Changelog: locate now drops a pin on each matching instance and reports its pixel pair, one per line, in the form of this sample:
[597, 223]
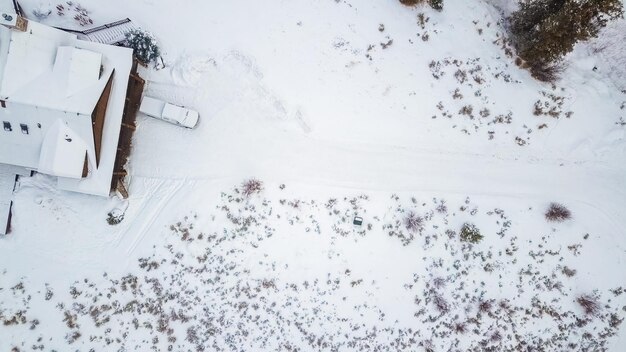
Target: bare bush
[485, 306]
[589, 304]
[441, 304]
[557, 213]
[568, 271]
[496, 336]
[251, 187]
[414, 223]
[460, 328]
[546, 71]
[439, 282]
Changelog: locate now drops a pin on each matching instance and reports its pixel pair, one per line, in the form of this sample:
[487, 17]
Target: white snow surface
[304, 94]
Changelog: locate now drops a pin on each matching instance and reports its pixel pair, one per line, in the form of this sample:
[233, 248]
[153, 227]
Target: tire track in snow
[155, 212]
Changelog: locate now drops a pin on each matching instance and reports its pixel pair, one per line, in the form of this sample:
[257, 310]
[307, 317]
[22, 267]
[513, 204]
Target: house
[61, 104]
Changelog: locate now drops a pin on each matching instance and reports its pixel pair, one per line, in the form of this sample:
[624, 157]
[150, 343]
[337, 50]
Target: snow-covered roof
[48, 68]
[99, 180]
[63, 152]
[6, 6]
[5, 40]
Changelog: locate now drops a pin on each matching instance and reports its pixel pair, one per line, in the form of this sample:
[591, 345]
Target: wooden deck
[133, 99]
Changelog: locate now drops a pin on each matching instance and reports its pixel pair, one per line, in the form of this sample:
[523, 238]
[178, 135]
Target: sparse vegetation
[450, 289]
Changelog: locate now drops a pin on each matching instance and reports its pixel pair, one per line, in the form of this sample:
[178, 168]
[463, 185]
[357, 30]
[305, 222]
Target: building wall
[22, 149]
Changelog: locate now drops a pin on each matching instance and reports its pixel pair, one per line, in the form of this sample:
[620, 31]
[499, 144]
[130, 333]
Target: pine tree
[543, 31]
[436, 4]
[144, 45]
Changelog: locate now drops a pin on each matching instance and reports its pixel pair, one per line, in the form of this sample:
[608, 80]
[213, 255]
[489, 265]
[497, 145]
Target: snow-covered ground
[340, 108]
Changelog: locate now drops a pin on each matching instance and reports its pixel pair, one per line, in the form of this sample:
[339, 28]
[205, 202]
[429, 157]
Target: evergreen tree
[545, 30]
[436, 4]
[144, 46]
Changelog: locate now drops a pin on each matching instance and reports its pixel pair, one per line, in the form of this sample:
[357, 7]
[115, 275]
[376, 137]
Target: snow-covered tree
[144, 45]
[545, 30]
[436, 4]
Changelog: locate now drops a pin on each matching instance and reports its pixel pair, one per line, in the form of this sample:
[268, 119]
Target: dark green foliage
[470, 233]
[144, 45]
[436, 4]
[543, 31]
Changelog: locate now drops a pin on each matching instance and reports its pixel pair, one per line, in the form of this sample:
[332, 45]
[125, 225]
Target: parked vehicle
[171, 113]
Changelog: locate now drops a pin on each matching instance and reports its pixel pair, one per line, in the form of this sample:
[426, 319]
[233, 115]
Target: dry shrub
[485, 306]
[545, 71]
[441, 304]
[439, 282]
[411, 2]
[557, 213]
[568, 271]
[414, 223]
[496, 336]
[460, 328]
[251, 187]
[589, 304]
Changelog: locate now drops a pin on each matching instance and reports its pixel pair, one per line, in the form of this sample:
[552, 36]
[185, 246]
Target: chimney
[13, 21]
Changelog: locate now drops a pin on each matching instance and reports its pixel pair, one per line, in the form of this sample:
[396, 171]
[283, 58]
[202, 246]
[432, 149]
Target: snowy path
[393, 169]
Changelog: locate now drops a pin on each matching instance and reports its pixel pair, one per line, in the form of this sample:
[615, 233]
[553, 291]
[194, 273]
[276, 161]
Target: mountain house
[62, 102]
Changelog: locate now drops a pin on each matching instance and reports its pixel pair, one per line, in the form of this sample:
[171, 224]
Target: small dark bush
[441, 304]
[496, 336]
[411, 2]
[251, 187]
[439, 282]
[460, 328]
[589, 304]
[414, 223]
[568, 271]
[485, 306]
[557, 213]
[436, 4]
[470, 233]
[115, 217]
